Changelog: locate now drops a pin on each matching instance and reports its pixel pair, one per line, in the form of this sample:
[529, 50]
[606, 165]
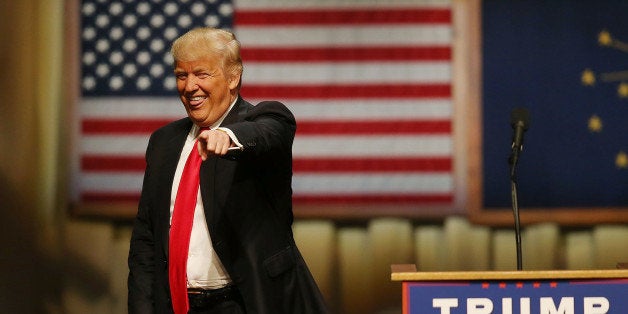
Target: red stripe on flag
[374, 127]
[300, 165]
[121, 126]
[112, 163]
[243, 17]
[323, 165]
[339, 91]
[147, 126]
[354, 54]
[373, 199]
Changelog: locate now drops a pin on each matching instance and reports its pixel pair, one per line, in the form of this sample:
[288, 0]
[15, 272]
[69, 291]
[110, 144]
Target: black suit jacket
[247, 198]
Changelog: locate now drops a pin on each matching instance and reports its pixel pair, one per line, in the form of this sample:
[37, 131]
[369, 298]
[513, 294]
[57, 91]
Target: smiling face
[205, 89]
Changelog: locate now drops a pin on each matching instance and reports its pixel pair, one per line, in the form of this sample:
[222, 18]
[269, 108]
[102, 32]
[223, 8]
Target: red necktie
[180, 229]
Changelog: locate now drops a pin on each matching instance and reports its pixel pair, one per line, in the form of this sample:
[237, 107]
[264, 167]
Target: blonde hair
[207, 41]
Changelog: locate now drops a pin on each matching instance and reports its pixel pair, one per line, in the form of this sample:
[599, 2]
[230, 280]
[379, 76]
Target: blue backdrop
[534, 56]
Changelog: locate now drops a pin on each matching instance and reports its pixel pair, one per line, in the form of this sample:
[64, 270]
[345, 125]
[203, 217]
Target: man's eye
[202, 75]
[181, 76]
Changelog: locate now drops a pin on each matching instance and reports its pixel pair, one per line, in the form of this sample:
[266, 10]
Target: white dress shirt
[204, 268]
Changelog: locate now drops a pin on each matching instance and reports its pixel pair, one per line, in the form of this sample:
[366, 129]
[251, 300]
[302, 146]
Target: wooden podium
[513, 292]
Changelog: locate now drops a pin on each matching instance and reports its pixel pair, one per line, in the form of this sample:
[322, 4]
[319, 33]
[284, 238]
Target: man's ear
[234, 81]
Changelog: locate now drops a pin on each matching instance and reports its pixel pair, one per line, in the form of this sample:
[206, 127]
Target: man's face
[204, 89]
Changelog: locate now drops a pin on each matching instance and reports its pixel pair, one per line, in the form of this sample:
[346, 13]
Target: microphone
[520, 121]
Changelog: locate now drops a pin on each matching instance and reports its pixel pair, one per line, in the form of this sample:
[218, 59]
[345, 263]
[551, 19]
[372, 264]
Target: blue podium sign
[582, 292]
[509, 297]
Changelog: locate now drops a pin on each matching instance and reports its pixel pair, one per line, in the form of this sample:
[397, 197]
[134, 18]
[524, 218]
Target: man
[226, 247]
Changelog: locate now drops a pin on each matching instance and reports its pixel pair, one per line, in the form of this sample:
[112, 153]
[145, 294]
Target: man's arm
[141, 259]
[267, 127]
[141, 268]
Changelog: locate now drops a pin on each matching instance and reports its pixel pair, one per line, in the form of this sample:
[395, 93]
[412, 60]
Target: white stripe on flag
[303, 184]
[114, 145]
[372, 146]
[304, 146]
[128, 182]
[357, 109]
[344, 36]
[432, 109]
[313, 73]
[132, 107]
[338, 184]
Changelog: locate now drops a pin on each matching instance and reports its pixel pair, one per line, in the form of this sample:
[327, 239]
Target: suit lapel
[237, 112]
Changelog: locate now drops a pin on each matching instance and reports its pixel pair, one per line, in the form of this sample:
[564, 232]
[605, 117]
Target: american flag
[369, 83]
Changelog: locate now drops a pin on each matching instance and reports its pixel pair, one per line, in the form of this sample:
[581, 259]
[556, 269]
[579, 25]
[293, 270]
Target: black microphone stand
[519, 120]
[515, 206]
